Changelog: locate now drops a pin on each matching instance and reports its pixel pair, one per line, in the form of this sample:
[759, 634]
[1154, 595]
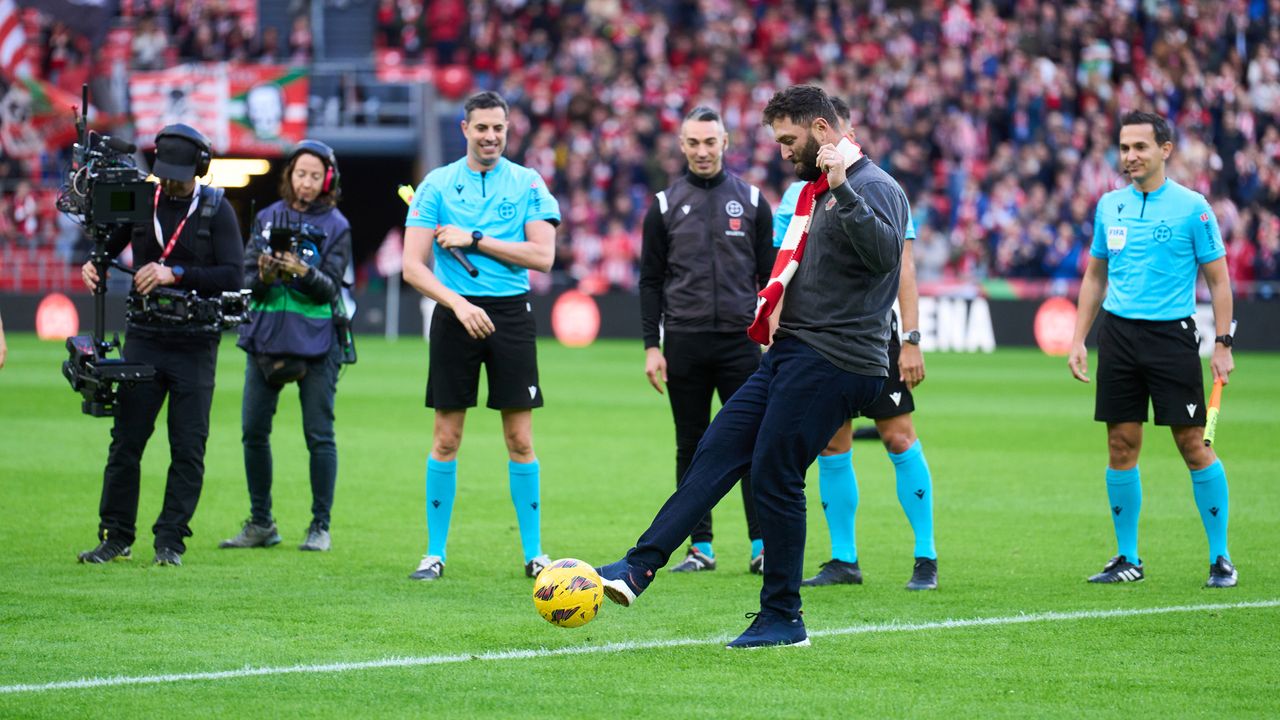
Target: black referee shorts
[1141, 360]
[896, 398]
[509, 356]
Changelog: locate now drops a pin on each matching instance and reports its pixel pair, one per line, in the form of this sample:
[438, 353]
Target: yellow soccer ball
[568, 593]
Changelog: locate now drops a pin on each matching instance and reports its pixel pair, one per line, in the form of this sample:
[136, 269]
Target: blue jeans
[775, 425]
[316, 391]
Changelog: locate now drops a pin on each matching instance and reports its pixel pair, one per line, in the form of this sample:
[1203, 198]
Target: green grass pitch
[1021, 521]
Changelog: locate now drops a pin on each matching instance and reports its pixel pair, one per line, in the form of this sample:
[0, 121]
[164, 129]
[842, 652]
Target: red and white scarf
[769, 306]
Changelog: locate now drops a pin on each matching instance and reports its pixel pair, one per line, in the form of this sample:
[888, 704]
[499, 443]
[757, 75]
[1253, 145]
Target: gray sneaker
[252, 535]
[431, 568]
[537, 565]
[317, 539]
[168, 557]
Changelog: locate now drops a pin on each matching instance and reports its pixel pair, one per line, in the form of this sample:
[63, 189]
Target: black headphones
[332, 176]
[195, 137]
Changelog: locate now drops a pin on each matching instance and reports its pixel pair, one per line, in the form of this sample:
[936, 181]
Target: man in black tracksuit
[193, 245]
[707, 251]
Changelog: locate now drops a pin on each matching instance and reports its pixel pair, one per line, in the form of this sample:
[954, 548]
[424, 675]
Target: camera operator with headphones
[294, 265]
[193, 243]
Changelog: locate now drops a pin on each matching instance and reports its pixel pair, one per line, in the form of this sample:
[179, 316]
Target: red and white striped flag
[13, 43]
[769, 306]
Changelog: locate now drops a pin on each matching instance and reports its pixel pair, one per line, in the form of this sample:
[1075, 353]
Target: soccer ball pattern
[568, 593]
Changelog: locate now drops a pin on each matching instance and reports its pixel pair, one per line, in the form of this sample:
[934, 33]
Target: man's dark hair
[1163, 132]
[801, 104]
[702, 113]
[842, 109]
[484, 100]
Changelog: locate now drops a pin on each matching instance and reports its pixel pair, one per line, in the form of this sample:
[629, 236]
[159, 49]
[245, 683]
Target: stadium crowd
[998, 118]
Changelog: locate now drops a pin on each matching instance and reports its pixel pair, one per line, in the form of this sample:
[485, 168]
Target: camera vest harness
[286, 321]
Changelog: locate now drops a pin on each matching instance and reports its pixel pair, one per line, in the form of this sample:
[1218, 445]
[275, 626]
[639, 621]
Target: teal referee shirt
[787, 208]
[1154, 244]
[496, 202]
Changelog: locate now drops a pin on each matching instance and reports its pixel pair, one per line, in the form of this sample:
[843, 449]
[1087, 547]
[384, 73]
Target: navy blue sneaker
[835, 572]
[623, 582]
[769, 630]
[1222, 574]
[924, 576]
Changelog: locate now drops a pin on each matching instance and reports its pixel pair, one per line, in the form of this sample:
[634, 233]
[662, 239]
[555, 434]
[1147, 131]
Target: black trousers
[184, 374]
[700, 364]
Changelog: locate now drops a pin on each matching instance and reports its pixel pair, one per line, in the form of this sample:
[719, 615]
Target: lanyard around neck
[155, 218]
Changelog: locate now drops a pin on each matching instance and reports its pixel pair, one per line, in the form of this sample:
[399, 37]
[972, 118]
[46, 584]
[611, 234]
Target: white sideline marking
[404, 662]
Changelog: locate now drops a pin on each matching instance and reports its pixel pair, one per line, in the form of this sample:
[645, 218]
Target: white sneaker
[431, 568]
[536, 565]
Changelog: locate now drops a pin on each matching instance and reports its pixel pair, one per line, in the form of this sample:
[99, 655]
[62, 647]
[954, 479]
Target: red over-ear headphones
[332, 176]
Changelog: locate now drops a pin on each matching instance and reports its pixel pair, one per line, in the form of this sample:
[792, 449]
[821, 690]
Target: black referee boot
[835, 572]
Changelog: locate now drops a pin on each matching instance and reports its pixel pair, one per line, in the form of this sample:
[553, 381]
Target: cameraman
[297, 255]
[193, 243]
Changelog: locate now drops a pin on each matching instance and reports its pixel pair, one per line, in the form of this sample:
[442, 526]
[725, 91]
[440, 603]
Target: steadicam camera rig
[107, 191]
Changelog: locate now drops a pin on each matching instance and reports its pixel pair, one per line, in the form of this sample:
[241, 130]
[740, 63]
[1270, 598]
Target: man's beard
[807, 161]
[176, 189]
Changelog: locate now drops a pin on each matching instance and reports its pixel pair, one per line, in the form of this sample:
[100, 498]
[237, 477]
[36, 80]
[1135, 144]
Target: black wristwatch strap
[1226, 340]
[476, 236]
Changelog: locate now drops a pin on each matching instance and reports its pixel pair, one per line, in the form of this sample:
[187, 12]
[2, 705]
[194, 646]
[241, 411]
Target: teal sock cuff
[1205, 474]
[518, 468]
[834, 461]
[1123, 477]
[441, 465]
[906, 455]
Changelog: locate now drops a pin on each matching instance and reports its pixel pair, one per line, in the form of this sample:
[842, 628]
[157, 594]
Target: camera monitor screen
[122, 202]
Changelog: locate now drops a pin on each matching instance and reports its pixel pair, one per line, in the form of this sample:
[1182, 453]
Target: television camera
[105, 190]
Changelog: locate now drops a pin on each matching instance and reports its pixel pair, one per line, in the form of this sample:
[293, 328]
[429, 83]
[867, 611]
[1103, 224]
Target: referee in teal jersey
[1150, 240]
[499, 217]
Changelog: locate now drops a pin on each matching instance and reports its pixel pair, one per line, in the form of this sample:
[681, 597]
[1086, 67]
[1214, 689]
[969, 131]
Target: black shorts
[895, 399]
[1141, 360]
[509, 356]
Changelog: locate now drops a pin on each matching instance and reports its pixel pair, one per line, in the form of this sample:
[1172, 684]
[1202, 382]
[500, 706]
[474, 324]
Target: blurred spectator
[26, 215]
[300, 40]
[149, 45]
[931, 254]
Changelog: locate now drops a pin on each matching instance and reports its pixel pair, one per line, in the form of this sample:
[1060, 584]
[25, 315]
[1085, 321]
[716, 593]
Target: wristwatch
[912, 337]
[178, 271]
[1226, 340]
[476, 235]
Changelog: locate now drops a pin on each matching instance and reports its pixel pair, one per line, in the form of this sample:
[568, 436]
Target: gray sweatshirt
[838, 303]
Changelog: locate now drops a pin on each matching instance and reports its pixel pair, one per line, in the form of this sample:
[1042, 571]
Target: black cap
[176, 159]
